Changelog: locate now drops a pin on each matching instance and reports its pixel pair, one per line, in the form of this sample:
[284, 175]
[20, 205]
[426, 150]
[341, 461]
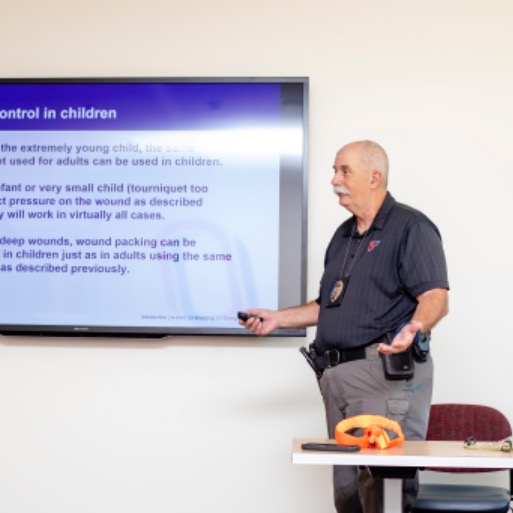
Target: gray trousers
[359, 388]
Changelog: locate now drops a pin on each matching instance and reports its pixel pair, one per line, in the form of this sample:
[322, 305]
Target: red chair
[458, 422]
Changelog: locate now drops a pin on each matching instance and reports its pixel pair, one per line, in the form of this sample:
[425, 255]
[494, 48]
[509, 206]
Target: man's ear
[376, 179]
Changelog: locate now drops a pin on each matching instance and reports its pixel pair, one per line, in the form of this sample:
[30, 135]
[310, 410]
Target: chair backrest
[457, 422]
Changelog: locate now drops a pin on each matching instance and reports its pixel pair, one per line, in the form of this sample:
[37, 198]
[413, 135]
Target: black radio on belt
[420, 346]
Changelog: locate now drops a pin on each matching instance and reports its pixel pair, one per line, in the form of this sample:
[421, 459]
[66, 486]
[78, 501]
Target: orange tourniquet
[374, 434]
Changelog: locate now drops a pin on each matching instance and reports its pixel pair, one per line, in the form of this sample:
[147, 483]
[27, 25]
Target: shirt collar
[379, 220]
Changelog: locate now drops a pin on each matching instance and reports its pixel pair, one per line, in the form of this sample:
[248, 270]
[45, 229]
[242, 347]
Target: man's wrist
[421, 327]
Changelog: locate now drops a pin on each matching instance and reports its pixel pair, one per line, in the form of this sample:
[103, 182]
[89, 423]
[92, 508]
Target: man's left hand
[402, 340]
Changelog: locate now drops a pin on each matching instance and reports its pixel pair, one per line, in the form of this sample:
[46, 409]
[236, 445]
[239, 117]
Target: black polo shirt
[398, 258]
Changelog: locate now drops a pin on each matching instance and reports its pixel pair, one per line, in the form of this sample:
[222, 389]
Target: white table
[409, 455]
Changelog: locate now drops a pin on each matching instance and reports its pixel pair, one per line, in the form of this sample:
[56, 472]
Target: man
[384, 284]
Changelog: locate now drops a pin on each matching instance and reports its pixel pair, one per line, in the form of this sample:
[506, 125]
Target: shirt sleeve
[422, 263]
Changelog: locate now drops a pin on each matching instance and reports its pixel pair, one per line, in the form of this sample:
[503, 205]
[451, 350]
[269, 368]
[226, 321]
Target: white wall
[195, 425]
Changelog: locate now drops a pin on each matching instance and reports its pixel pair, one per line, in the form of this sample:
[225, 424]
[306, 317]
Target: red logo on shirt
[373, 244]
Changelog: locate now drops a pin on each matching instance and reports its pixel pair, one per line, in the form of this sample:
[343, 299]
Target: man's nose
[337, 179]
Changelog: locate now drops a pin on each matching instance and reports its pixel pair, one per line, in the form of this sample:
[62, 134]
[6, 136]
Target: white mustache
[338, 189]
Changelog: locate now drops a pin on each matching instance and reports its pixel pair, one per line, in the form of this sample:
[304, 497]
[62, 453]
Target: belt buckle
[331, 358]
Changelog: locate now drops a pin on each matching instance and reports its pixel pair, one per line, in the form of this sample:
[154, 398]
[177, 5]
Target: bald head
[372, 157]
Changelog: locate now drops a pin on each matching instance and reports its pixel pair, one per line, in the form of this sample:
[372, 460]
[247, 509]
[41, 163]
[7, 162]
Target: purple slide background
[145, 106]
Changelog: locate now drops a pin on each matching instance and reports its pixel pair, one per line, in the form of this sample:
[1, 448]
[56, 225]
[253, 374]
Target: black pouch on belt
[399, 365]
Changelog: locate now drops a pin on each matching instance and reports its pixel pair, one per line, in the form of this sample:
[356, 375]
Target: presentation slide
[140, 205]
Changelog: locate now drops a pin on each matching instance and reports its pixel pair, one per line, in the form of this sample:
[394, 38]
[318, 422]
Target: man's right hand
[261, 322]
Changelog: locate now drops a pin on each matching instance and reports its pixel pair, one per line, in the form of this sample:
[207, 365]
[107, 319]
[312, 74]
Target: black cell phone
[316, 446]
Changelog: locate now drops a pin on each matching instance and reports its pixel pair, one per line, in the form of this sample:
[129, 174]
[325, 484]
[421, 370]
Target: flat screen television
[150, 207]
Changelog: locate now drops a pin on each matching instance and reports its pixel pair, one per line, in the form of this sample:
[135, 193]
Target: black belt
[333, 357]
